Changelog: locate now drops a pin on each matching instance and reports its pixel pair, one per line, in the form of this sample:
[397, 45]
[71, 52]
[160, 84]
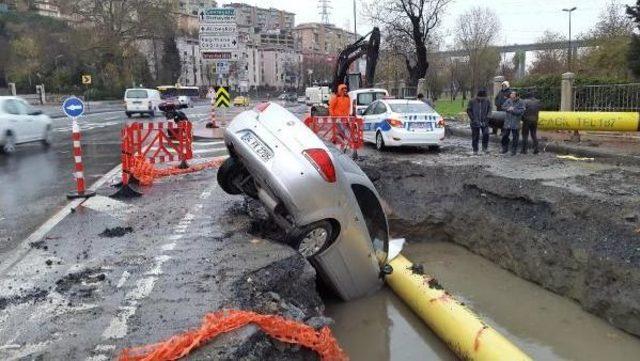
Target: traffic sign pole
[73, 108]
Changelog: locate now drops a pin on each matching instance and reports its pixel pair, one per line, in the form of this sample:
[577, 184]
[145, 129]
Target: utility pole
[355, 22]
[569, 56]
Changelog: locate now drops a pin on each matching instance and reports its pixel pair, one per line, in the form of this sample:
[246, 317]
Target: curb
[555, 147]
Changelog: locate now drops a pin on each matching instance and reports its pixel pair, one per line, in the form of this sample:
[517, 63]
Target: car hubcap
[313, 242]
[379, 141]
[10, 146]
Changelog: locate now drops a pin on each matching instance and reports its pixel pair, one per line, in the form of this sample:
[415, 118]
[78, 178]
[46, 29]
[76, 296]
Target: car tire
[380, 142]
[9, 146]
[312, 239]
[227, 173]
[152, 114]
[46, 140]
[434, 148]
[128, 114]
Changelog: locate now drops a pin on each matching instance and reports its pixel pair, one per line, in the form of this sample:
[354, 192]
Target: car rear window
[375, 220]
[368, 98]
[136, 94]
[411, 108]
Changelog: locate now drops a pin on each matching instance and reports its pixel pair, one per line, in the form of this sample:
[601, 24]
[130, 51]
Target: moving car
[327, 206]
[302, 99]
[21, 123]
[184, 101]
[398, 122]
[241, 101]
[141, 101]
[290, 97]
[362, 98]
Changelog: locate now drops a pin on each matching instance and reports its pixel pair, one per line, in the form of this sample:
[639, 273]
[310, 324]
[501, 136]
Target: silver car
[327, 206]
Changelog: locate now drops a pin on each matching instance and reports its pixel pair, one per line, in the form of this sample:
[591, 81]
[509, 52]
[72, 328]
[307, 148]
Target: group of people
[520, 114]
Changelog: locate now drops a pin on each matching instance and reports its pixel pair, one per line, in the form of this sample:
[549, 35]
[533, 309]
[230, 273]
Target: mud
[569, 227]
[31, 296]
[116, 232]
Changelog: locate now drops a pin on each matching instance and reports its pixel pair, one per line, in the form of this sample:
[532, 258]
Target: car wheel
[46, 140]
[9, 144]
[379, 142]
[312, 239]
[228, 172]
[128, 114]
[434, 148]
[152, 114]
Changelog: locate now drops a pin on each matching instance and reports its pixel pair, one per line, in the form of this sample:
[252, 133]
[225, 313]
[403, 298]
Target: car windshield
[136, 94]
[413, 107]
[368, 98]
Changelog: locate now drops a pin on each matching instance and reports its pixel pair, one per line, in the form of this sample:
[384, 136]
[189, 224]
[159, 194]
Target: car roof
[402, 101]
[369, 90]
[7, 97]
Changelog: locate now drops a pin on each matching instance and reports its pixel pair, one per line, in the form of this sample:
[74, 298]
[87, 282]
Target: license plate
[257, 146]
[137, 102]
[421, 126]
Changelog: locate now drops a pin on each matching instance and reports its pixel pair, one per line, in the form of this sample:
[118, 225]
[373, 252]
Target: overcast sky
[523, 21]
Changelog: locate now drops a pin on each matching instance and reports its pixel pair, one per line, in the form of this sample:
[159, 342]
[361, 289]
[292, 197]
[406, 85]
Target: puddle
[544, 325]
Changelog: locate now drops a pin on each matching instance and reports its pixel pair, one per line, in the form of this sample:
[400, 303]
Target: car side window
[23, 107]
[370, 109]
[381, 108]
[11, 107]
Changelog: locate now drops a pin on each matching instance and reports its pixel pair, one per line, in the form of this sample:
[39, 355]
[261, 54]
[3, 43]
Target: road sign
[86, 79]
[217, 56]
[218, 15]
[218, 42]
[218, 33]
[215, 29]
[222, 97]
[73, 107]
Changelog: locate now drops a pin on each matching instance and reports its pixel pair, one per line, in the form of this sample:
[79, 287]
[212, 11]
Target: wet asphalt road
[35, 180]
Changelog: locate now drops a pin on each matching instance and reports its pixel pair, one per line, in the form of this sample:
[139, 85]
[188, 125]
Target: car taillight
[395, 123]
[262, 106]
[320, 160]
[441, 123]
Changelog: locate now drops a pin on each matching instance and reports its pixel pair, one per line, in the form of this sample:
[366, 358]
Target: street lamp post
[569, 56]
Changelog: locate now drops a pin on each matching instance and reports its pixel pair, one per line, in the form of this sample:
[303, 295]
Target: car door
[369, 123]
[37, 123]
[17, 121]
[381, 114]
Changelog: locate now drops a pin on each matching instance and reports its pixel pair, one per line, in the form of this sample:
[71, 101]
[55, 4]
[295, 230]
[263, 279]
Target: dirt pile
[577, 237]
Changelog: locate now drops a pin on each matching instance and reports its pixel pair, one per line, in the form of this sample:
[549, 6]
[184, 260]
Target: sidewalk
[114, 274]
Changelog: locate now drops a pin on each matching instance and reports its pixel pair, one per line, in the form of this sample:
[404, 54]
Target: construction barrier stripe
[593, 121]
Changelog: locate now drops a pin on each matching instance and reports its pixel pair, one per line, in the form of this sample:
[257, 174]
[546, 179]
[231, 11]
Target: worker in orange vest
[340, 104]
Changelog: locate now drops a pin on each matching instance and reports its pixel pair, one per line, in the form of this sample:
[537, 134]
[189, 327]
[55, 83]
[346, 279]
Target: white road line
[123, 279]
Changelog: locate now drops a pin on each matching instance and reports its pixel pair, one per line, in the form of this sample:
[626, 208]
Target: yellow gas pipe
[464, 333]
[590, 121]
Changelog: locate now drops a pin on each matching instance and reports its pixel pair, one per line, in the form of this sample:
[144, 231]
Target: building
[280, 68]
[194, 71]
[263, 19]
[192, 7]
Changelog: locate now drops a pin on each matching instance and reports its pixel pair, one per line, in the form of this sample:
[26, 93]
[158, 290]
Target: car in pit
[328, 208]
[402, 122]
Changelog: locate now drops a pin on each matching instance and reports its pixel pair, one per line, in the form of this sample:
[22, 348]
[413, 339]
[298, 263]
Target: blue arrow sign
[73, 107]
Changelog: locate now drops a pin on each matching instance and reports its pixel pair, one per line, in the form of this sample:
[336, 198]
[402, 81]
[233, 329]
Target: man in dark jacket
[514, 109]
[530, 123]
[478, 111]
[499, 100]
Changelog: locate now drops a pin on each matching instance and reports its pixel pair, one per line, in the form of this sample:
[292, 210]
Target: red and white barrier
[81, 191]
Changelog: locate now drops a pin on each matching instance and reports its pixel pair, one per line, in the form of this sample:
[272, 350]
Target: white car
[141, 101]
[399, 122]
[21, 123]
[184, 101]
[362, 98]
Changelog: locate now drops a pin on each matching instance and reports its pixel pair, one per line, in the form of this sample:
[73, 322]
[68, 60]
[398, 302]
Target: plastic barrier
[152, 142]
[216, 323]
[344, 132]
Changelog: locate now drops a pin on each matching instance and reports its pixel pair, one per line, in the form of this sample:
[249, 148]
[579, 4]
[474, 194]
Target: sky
[522, 21]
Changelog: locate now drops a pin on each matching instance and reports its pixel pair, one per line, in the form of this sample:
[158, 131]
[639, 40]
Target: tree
[408, 25]
[550, 61]
[633, 55]
[170, 64]
[476, 31]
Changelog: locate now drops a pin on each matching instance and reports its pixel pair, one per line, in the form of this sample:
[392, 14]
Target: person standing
[530, 123]
[426, 101]
[340, 104]
[514, 108]
[478, 111]
[501, 97]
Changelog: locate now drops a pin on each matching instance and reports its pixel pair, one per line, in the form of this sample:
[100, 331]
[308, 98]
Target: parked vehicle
[241, 101]
[327, 206]
[21, 123]
[141, 101]
[362, 98]
[290, 97]
[398, 122]
[317, 95]
[302, 99]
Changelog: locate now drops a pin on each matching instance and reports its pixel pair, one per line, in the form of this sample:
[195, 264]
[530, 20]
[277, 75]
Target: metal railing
[607, 98]
[549, 96]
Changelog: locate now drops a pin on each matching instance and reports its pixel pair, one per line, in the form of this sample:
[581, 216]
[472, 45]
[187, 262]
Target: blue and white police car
[402, 122]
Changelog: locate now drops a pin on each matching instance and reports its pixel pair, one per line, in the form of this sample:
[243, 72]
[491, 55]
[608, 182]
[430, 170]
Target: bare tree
[476, 31]
[550, 61]
[407, 25]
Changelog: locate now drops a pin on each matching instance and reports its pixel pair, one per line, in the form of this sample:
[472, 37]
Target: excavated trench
[576, 235]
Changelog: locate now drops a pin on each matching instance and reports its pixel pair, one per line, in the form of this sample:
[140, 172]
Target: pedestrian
[501, 97]
[340, 104]
[530, 122]
[478, 111]
[514, 109]
[424, 100]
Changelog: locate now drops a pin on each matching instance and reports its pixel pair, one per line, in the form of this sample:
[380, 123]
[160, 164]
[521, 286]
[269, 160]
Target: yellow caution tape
[595, 121]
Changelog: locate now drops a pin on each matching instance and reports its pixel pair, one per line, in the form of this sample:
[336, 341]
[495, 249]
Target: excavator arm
[351, 53]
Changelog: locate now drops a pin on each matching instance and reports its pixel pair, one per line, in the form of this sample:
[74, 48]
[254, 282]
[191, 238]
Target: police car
[401, 122]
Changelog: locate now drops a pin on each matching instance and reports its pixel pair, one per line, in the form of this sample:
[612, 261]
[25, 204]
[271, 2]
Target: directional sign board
[86, 79]
[218, 33]
[222, 98]
[73, 107]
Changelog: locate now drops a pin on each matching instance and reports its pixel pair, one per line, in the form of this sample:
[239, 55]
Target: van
[141, 101]
[362, 98]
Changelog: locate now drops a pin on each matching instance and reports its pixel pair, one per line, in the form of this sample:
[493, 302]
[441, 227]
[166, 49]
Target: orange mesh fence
[216, 323]
[344, 132]
[146, 173]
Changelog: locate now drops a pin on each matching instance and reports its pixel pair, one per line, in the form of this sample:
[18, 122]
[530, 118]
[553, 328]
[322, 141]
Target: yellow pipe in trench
[457, 326]
[593, 121]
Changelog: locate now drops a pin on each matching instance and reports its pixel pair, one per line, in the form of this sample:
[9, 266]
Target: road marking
[123, 279]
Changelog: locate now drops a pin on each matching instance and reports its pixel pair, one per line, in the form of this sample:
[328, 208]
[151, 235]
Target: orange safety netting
[215, 323]
[146, 173]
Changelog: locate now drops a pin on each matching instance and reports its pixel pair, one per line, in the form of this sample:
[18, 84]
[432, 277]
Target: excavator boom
[351, 53]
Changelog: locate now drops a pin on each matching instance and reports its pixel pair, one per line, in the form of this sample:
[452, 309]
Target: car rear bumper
[396, 138]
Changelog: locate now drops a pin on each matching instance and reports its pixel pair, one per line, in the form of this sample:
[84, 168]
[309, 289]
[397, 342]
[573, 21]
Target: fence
[344, 132]
[549, 96]
[607, 98]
